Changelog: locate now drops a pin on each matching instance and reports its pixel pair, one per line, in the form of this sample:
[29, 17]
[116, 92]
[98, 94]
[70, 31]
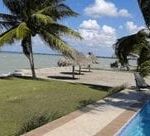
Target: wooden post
[73, 72]
[79, 70]
[89, 68]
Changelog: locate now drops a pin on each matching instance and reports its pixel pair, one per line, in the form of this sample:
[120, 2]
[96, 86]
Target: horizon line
[56, 54]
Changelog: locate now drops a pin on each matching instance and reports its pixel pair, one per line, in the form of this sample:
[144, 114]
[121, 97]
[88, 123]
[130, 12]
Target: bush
[36, 121]
[117, 89]
[145, 68]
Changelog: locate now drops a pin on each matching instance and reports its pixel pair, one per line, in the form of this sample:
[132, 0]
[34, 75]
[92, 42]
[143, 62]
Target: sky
[100, 23]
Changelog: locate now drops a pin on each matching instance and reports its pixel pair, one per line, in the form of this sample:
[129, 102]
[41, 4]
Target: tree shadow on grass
[98, 87]
[132, 100]
[25, 78]
[95, 87]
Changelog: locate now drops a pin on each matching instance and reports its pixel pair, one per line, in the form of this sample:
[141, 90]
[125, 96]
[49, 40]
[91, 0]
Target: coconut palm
[136, 43]
[28, 18]
[127, 45]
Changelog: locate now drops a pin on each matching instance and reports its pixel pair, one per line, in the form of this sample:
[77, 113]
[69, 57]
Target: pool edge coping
[127, 123]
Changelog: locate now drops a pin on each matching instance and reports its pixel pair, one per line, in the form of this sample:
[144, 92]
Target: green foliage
[64, 30]
[130, 44]
[124, 46]
[34, 17]
[58, 12]
[56, 43]
[8, 37]
[36, 121]
[42, 19]
[22, 31]
[144, 55]
[16, 33]
[145, 68]
[144, 62]
[137, 43]
[117, 89]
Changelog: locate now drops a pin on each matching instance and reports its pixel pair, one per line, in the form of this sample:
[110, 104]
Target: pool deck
[103, 118]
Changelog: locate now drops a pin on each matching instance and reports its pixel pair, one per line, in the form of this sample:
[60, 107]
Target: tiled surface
[112, 128]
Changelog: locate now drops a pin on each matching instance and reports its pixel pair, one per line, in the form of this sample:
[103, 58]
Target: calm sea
[10, 62]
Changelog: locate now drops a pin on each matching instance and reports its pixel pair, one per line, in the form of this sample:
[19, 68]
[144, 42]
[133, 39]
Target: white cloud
[132, 27]
[97, 35]
[124, 13]
[105, 8]
[90, 24]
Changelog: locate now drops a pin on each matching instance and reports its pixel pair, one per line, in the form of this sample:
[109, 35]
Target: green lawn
[21, 99]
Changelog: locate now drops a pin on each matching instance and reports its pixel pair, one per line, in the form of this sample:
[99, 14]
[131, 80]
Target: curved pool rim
[121, 130]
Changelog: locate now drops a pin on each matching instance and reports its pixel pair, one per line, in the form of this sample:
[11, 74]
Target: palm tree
[136, 43]
[29, 18]
[128, 45]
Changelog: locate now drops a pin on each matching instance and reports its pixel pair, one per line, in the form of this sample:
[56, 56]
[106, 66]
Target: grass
[22, 99]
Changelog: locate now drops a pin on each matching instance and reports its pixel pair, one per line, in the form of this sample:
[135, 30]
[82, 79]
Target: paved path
[96, 77]
[95, 120]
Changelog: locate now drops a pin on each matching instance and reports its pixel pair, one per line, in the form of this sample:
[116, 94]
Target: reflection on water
[12, 61]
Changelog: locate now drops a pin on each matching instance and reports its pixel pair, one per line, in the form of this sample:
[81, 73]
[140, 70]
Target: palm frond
[61, 29]
[15, 6]
[56, 43]
[8, 36]
[8, 17]
[58, 11]
[129, 44]
[7, 24]
[125, 44]
[144, 6]
[66, 10]
[40, 4]
[129, 41]
[22, 31]
[42, 19]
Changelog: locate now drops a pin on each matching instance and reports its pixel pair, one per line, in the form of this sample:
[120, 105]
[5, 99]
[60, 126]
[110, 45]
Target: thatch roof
[79, 59]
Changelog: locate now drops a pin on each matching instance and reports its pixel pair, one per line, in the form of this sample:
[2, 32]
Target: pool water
[139, 125]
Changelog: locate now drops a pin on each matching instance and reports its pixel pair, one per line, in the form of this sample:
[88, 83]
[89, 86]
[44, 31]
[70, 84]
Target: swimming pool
[139, 125]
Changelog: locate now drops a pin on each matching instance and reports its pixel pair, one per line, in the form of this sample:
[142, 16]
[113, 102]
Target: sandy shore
[97, 77]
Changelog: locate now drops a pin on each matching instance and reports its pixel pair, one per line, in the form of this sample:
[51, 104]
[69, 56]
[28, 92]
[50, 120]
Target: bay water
[9, 62]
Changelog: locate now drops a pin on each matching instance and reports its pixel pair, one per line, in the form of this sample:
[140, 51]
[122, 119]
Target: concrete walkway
[96, 77]
[97, 119]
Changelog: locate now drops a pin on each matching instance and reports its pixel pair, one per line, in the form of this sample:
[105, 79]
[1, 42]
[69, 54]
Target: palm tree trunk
[27, 50]
[31, 60]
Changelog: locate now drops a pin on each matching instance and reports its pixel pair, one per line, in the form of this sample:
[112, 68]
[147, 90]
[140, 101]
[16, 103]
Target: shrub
[36, 121]
[145, 68]
[117, 89]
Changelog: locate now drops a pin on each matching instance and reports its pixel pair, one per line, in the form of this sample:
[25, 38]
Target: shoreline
[51, 54]
[97, 77]
[14, 52]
